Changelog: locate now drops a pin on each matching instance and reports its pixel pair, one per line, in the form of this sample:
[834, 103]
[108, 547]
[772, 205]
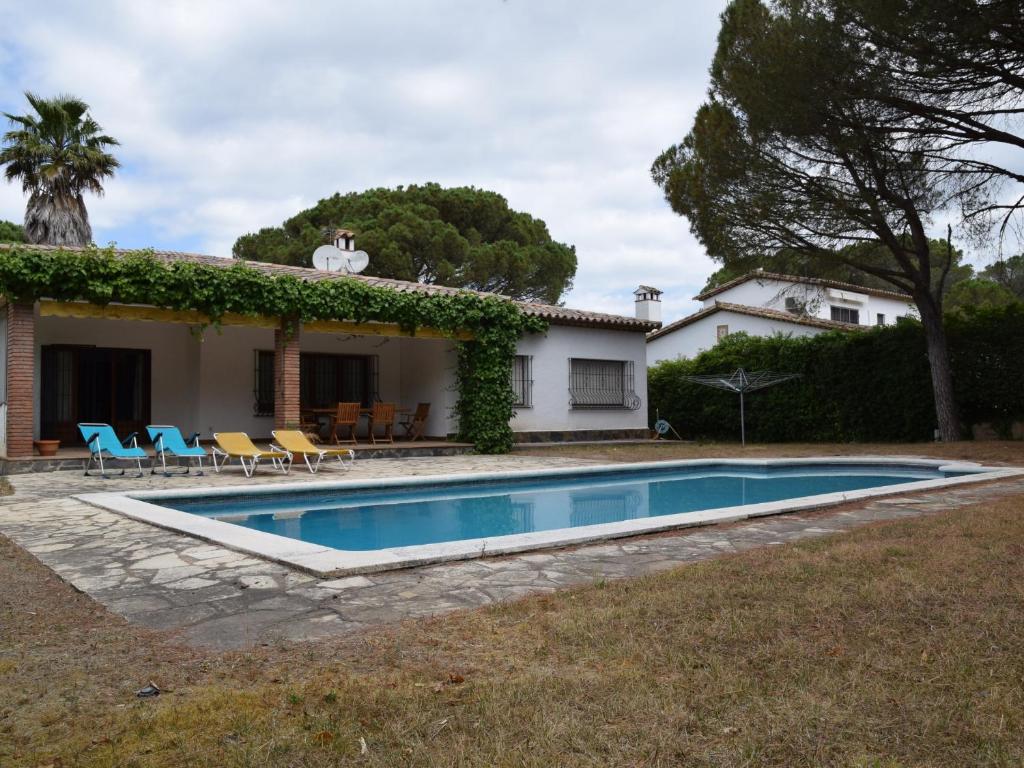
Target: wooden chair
[309, 425]
[345, 417]
[383, 414]
[416, 422]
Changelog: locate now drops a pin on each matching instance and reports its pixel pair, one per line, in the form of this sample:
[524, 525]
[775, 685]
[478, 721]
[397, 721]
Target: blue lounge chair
[167, 439]
[103, 443]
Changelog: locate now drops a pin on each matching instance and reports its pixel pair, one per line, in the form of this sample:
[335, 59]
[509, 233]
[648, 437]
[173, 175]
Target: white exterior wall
[754, 293]
[691, 340]
[227, 375]
[204, 381]
[772, 294]
[551, 353]
[428, 376]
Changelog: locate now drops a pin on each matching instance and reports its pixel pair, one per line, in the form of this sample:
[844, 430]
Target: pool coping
[324, 561]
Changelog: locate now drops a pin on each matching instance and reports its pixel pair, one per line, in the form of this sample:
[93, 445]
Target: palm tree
[58, 153]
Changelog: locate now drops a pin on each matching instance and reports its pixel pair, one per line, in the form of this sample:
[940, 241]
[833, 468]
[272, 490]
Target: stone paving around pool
[216, 597]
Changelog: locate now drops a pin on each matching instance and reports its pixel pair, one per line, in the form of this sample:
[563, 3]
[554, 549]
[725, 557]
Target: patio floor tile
[216, 597]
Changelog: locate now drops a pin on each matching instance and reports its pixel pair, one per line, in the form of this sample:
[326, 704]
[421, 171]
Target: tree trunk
[57, 220]
[942, 372]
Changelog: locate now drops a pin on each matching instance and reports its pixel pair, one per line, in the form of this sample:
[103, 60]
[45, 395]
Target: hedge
[868, 386]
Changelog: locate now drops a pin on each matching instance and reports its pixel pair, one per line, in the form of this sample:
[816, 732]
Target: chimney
[345, 239]
[648, 303]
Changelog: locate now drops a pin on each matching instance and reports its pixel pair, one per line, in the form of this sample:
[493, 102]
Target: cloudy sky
[234, 116]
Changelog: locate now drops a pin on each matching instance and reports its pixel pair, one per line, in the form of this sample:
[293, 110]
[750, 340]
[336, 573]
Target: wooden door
[98, 384]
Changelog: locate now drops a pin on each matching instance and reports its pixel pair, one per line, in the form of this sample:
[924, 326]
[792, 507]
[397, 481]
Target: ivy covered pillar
[286, 375]
[20, 373]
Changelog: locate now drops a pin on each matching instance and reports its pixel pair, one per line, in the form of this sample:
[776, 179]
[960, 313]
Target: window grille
[263, 390]
[594, 509]
[721, 332]
[846, 315]
[522, 381]
[602, 384]
[880, 319]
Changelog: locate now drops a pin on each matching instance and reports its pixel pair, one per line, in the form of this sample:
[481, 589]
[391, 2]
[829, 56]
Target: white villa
[127, 365]
[765, 303]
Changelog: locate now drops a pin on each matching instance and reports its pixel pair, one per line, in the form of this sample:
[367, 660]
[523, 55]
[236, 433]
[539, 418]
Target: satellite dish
[329, 258]
[356, 261]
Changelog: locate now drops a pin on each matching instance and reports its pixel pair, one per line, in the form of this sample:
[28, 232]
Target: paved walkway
[220, 598]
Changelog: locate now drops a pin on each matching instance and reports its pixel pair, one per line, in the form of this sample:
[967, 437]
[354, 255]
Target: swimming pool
[354, 526]
[370, 519]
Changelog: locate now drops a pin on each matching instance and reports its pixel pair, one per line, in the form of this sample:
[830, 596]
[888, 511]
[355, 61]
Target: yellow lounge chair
[296, 443]
[237, 445]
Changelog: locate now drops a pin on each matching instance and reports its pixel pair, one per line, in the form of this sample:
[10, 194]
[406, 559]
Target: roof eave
[824, 282]
[549, 312]
[739, 309]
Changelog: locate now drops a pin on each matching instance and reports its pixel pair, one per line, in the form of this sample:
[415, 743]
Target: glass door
[82, 384]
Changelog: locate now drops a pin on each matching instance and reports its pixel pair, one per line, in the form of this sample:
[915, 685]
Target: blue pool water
[427, 514]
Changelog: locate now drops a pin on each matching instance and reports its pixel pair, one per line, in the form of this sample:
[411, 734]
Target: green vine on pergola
[103, 276]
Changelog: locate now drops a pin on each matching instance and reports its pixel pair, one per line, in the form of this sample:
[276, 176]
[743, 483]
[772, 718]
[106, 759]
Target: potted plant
[46, 447]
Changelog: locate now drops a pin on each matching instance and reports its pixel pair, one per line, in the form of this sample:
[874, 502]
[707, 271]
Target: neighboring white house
[765, 303]
[69, 362]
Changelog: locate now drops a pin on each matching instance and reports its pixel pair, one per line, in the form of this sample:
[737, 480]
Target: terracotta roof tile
[768, 314]
[757, 275]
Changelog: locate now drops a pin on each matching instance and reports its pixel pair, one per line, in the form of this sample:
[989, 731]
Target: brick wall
[21, 336]
[286, 378]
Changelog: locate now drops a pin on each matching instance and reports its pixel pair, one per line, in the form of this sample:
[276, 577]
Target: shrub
[869, 386]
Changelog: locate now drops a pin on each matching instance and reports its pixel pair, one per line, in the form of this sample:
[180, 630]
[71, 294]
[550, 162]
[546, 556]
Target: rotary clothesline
[742, 382]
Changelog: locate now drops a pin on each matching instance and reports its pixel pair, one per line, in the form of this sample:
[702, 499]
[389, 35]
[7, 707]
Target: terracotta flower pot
[46, 447]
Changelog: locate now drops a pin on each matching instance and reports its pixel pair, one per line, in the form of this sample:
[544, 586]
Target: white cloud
[233, 116]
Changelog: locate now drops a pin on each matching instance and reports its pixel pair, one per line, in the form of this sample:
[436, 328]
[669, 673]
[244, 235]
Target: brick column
[21, 343]
[286, 375]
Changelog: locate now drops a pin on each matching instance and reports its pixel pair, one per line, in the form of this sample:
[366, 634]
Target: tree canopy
[462, 237]
[978, 293]
[949, 70]
[836, 268]
[58, 152]
[11, 232]
[803, 148]
[1009, 273]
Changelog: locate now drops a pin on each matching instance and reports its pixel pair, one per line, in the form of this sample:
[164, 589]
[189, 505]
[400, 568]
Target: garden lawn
[897, 644]
[985, 452]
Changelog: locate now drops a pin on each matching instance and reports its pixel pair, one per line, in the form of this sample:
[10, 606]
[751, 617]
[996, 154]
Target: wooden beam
[75, 309]
[82, 310]
[380, 329]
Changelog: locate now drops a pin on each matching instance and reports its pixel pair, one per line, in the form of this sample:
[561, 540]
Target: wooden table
[332, 411]
[362, 411]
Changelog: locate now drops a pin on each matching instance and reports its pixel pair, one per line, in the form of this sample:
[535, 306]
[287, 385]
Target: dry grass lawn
[897, 644]
[993, 452]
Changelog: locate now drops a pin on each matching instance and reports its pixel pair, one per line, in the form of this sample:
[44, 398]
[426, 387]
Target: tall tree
[835, 268]
[58, 152]
[978, 293]
[951, 71]
[11, 232]
[1009, 273]
[791, 153]
[462, 237]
